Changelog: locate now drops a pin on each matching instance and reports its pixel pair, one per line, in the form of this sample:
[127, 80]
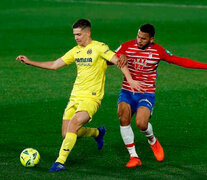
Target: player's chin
[140, 46]
[79, 43]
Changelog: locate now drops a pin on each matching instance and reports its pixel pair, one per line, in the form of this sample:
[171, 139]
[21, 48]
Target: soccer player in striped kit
[143, 57]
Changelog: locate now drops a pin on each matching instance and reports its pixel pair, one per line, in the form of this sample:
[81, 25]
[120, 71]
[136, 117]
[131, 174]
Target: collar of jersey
[81, 47]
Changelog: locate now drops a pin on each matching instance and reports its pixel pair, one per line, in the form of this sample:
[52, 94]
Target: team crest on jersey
[171, 54]
[89, 51]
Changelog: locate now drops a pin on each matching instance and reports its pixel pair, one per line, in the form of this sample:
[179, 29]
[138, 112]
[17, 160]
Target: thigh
[70, 110]
[88, 105]
[68, 114]
[78, 113]
[78, 120]
[146, 100]
[124, 113]
[144, 110]
[143, 113]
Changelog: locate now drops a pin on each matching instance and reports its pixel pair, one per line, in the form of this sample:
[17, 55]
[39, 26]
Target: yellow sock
[67, 146]
[88, 132]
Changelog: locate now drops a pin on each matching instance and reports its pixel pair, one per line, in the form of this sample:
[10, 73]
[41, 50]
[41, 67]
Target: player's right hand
[122, 61]
[136, 85]
[23, 59]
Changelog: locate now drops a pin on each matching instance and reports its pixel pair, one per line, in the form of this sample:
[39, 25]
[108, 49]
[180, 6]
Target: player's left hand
[122, 61]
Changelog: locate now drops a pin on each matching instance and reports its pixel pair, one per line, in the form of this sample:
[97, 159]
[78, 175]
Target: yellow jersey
[91, 68]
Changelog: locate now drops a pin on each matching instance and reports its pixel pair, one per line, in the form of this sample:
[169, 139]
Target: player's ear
[152, 39]
[89, 33]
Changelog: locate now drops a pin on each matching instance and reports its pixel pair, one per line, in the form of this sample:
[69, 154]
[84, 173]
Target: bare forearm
[126, 73]
[43, 65]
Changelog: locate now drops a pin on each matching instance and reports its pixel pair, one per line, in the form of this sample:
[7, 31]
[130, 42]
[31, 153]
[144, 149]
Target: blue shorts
[137, 100]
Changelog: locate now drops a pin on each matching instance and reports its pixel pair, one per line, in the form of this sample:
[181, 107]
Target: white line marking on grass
[133, 4]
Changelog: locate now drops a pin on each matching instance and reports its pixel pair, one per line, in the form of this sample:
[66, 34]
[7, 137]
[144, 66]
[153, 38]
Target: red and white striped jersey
[143, 63]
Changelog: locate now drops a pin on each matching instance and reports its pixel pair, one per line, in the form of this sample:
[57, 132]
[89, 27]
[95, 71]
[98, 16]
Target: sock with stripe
[128, 138]
[149, 134]
[67, 146]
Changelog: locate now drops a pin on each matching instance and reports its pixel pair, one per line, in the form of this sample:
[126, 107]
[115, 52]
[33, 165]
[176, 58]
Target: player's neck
[88, 41]
[146, 46]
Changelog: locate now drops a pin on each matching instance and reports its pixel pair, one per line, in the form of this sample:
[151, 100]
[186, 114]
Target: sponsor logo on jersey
[89, 51]
[83, 60]
[171, 54]
[78, 52]
[150, 55]
[93, 93]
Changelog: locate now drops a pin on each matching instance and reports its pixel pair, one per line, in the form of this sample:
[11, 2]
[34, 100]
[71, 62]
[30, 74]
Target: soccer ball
[29, 157]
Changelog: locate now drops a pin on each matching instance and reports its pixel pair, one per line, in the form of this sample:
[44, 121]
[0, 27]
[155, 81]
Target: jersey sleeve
[68, 58]
[105, 52]
[180, 61]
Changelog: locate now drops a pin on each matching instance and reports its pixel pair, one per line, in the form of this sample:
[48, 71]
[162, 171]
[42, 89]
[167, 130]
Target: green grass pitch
[32, 100]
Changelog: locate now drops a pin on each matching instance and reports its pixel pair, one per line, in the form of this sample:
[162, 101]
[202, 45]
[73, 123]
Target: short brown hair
[82, 23]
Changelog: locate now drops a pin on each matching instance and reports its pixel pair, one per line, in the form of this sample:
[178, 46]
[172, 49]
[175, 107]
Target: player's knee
[142, 125]
[76, 122]
[123, 118]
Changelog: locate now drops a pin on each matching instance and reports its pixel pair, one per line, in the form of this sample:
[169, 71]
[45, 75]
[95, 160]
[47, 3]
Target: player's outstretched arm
[180, 61]
[51, 65]
[135, 85]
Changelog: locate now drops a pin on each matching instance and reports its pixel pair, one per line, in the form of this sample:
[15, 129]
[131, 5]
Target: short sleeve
[120, 50]
[105, 52]
[68, 58]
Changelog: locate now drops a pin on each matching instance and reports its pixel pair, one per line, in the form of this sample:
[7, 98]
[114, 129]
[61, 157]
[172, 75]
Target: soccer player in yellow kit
[90, 57]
